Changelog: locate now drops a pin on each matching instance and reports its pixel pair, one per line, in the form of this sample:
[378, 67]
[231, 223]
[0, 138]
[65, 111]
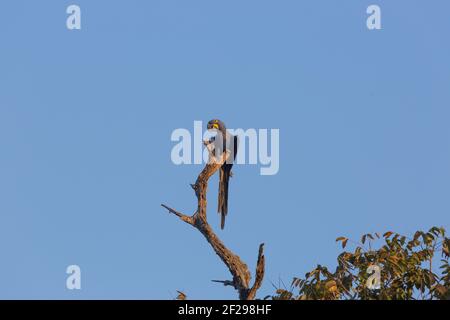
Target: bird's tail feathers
[223, 195]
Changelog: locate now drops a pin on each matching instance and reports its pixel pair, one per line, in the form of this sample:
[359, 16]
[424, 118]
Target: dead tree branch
[238, 269]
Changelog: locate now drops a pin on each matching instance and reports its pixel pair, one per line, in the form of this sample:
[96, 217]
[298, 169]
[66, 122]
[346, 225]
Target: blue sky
[86, 118]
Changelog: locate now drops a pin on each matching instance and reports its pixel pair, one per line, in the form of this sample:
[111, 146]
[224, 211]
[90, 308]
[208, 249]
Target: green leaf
[363, 239]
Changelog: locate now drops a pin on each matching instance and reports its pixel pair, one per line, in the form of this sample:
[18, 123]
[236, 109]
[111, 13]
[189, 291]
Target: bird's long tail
[223, 195]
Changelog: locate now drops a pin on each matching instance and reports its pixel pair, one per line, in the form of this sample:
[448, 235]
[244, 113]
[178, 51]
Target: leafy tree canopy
[398, 268]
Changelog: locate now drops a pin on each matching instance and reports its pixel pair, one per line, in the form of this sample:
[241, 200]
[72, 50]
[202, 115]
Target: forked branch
[238, 269]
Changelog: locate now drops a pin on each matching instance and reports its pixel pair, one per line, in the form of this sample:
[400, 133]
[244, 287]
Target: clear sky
[86, 118]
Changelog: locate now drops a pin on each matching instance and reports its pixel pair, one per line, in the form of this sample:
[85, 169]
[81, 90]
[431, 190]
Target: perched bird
[229, 143]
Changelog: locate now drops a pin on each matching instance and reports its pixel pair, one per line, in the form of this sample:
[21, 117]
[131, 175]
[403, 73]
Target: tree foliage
[410, 268]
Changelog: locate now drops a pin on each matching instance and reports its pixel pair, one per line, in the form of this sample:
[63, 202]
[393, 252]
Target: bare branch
[260, 268]
[183, 217]
[225, 282]
[238, 269]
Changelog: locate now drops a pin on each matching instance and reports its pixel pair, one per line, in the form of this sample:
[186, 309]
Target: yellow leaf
[330, 284]
[387, 234]
[344, 243]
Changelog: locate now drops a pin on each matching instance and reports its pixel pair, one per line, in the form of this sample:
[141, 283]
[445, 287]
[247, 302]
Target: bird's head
[216, 124]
